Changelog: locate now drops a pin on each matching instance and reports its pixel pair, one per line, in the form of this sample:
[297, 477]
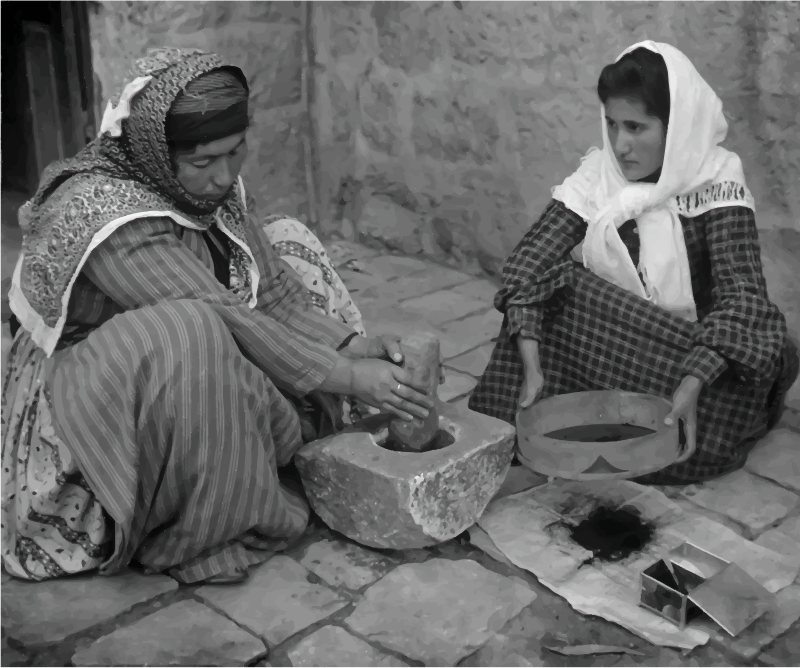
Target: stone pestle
[421, 356]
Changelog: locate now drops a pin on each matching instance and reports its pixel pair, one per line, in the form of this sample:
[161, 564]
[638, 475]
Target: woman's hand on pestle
[384, 385]
[380, 346]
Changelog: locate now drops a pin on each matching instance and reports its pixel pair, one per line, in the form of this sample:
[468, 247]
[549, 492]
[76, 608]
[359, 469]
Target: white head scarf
[697, 175]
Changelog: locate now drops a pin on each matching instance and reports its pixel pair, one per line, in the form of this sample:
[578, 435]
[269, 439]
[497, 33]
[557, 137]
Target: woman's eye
[633, 127]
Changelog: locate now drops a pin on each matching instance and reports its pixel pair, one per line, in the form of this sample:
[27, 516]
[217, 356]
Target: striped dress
[154, 432]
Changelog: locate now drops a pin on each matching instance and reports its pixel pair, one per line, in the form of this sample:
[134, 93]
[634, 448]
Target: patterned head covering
[141, 152]
[124, 174]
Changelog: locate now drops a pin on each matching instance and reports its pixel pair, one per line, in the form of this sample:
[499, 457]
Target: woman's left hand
[684, 407]
[382, 346]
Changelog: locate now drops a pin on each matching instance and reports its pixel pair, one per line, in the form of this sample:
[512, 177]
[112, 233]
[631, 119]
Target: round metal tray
[578, 460]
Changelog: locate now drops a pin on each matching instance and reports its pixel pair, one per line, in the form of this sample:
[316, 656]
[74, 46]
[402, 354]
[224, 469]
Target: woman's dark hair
[642, 74]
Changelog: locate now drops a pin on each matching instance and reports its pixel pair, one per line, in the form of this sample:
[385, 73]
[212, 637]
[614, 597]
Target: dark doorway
[47, 85]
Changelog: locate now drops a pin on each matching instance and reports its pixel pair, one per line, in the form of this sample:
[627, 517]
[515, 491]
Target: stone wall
[263, 38]
[442, 126]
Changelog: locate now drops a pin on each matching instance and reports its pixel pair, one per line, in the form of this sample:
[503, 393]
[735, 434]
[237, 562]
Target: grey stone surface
[455, 385]
[473, 362]
[49, 611]
[519, 479]
[333, 646]
[785, 651]
[402, 500]
[183, 634]
[277, 600]
[745, 498]
[464, 335]
[451, 304]
[777, 457]
[440, 611]
[344, 564]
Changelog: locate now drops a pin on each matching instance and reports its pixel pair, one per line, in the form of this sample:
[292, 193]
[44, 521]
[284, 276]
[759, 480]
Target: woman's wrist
[357, 347]
[529, 351]
[340, 379]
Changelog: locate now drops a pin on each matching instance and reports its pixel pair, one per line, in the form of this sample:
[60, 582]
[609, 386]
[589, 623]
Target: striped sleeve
[144, 263]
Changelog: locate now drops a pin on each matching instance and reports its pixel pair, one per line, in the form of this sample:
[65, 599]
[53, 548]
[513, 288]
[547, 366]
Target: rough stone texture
[777, 457]
[785, 651]
[333, 646]
[263, 38]
[277, 600]
[402, 500]
[466, 114]
[745, 498]
[440, 611]
[339, 563]
[49, 611]
[184, 634]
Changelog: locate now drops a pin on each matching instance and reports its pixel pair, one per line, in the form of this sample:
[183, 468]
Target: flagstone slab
[277, 600]
[692, 510]
[409, 286]
[471, 332]
[333, 646]
[779, 542]
[440, 611]
[745, 498]
[791, 527]
[785, 651]
[473, 362]
[391, 267]
[183, 634]
[46, 612]
[455, 385]
[777, 457]
[446, 305]
[339, 563]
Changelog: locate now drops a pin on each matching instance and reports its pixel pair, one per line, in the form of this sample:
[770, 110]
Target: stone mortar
[402, 500]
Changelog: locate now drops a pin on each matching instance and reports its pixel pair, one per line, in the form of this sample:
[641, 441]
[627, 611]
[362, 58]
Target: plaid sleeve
[744, 329]
[539, 266]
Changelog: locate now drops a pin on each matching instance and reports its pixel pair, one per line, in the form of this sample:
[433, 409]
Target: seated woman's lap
[599, 337]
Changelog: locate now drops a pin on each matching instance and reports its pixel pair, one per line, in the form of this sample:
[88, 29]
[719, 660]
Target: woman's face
[637, 139]
[209, 171]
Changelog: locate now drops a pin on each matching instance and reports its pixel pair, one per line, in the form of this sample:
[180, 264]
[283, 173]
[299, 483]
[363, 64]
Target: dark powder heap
[612, 534]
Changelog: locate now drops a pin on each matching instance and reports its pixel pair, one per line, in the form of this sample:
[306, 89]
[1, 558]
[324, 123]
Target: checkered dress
[595, 336]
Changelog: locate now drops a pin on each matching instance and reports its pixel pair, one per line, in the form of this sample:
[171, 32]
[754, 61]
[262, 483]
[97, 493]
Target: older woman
[671, 299]
[169, 361]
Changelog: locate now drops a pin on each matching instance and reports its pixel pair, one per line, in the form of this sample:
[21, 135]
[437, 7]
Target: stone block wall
[263, 38]
[443, 126]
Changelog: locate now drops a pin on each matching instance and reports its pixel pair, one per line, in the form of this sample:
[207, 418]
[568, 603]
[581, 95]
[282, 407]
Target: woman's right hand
[534, 380]
[390, 387]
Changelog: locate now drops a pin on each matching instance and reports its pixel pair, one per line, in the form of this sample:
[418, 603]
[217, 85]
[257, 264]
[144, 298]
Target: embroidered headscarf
[697, 175]
[124, 174]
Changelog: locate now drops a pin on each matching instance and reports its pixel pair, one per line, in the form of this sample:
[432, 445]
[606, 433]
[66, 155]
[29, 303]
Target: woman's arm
[144, 263]
[538, 267]
[744, 328]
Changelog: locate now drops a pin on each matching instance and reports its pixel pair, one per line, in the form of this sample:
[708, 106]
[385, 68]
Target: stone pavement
[331, 602]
